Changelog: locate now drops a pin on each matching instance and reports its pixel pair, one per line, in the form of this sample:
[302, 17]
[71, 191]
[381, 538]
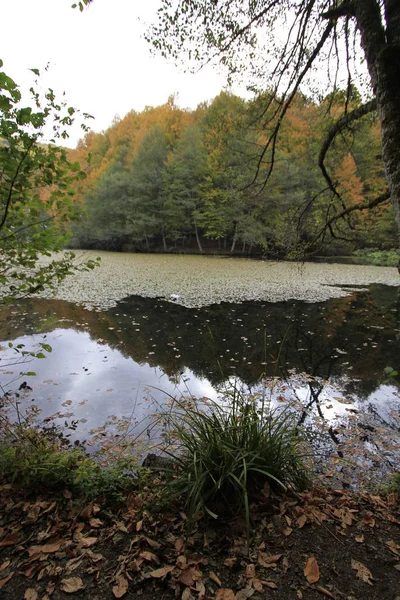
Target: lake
[143, 329]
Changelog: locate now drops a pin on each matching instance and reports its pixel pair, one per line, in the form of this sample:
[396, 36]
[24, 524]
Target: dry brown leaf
[301, 521]
[5, 564]
[215, 578]
[230, 562]
[146, 555]
[4, 581]
[359, 539]
[363, 572]
[153, 544]
[268, 561]
[121, 586]
[95, 523]
[159, 573]
[324, 591]
[187, 594]
[250, 571]
[88, 542]
[257, 584]
[225, 594]
[72, 585]
[179, 544]
[139, 525]
[30, 594]
[186, 577]
[311, 570]
[287, 531]
[393, 547]
[10, 540]
[269, 584]
[245, 593]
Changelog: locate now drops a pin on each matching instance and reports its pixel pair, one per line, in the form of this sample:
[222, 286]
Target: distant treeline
[169, 179]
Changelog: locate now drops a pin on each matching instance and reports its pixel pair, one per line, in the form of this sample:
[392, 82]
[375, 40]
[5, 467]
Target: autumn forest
[168, 179]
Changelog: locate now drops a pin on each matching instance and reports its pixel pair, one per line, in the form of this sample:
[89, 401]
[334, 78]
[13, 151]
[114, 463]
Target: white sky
[98, 57]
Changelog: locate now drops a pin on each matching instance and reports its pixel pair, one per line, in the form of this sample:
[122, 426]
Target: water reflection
[328, 359]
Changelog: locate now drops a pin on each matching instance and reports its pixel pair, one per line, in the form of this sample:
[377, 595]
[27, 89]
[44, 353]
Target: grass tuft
[226, 455]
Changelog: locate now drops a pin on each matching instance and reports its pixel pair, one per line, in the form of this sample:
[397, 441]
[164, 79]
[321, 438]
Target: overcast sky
[98, 57]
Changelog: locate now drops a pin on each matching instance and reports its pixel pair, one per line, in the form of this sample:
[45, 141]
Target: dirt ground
[320, 544]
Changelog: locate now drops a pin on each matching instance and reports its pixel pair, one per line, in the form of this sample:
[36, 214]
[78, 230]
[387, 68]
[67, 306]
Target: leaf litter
[58, 556]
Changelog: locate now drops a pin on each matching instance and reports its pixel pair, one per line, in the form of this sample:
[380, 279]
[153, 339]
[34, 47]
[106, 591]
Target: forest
[173, 180]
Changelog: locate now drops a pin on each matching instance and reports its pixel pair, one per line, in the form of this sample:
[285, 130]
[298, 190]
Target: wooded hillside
[169, 179]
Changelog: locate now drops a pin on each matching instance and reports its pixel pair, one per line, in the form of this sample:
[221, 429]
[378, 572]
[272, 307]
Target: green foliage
[394, 484]
[227, 453]
[38, 459]
[371, 256]
[166, 176]
[36, 197]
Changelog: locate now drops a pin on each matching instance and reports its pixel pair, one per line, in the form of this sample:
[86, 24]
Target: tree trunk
[382, 52]
[243, 247]
[234, 239]
[164, 240]
[197, 237]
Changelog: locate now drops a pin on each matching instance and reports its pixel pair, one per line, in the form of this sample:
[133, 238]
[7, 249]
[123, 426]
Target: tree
[35, 191]
[245, 37]
[186, 172]
[148, 174]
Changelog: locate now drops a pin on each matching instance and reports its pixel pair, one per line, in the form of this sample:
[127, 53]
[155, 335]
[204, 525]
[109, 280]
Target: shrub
[35, 458]
[225, 454]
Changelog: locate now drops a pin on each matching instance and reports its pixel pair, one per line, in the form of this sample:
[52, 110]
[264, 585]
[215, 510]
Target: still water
[326, 360]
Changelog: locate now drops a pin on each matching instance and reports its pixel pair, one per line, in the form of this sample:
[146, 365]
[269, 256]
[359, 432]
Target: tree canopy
[283, 45]
[36, 193]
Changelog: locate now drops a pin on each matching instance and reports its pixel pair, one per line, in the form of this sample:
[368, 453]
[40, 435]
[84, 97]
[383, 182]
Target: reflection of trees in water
[350, 339]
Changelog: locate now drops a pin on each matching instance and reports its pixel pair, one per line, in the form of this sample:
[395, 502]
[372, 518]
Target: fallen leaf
[362, 572]
[95, 523]
[311, 570]
[245, 593]
[159, 573]
[287, 531]
[257, 584]
[269, 584]
[30, 594]
[186, 577]
[250, 571]
[187, 594]
[139, 525]
[301, 521]
[225, 594]
[324, 591]
[179, 544]
[359, 539]
[10, 540]
[72, 585]
[4, 581]
[215, 578]
[121, 587]
[87, 542]
[153, 543]
[230, 562]
[5, 564]
[268, 560]
[393, 547]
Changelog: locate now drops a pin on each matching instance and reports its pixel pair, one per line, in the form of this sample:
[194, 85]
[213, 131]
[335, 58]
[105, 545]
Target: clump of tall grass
[225, 454]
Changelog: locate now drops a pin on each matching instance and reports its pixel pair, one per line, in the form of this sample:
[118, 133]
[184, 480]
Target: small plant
[34, 458]
[394, 485]
[226, 454]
